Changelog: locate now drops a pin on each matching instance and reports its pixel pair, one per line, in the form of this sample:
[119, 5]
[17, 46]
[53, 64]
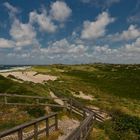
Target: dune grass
[115, 89]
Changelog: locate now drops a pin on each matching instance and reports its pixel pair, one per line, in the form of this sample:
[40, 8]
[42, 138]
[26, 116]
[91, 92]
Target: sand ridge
[30, 76]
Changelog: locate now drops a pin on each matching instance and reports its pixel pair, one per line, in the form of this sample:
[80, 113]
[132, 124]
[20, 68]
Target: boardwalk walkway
[72, 105]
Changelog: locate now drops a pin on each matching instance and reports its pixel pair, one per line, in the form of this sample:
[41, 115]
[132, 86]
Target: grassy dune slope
[115, 89]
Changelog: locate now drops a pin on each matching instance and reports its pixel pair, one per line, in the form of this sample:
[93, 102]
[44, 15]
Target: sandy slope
[30, 76]
[82, 95]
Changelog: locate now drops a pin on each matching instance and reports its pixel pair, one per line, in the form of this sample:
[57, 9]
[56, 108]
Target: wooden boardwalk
[19, 134]
[72, 105]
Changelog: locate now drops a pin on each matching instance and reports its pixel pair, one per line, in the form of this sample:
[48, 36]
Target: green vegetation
[36, 111]
[26, 88]
[115, 89]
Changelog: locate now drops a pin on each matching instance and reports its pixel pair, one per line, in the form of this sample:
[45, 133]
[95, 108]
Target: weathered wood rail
[35, 123]
[86, 125]
[83, 130]
[71, 104]
[77, 107]
[36, 98]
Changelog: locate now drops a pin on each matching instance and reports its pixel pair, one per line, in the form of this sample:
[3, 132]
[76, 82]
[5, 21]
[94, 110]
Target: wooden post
[35, 131]
[56, 122]
[65, 106]
[84, 114]
[20, 136]
[94, 117]
[37, 101]
[70, 107]
[47, 127]
[5, 99]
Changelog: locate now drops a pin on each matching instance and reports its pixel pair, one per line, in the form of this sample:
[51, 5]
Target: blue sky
[69, 31]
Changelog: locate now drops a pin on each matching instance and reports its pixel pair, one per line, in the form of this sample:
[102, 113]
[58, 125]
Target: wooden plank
[56, 122]
[5, 100]
[47, 127]
[20, 135]
[28, 96]
[35, 131]
[40, 104]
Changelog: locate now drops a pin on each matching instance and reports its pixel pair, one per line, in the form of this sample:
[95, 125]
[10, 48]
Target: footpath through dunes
[74, 132]
[71, 128]
[30, 76]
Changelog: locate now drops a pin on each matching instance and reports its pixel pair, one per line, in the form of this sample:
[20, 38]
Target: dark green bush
[36, 111]
[122, 127]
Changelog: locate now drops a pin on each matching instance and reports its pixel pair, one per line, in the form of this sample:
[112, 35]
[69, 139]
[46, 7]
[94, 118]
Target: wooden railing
[86, 125]
[83, 130]
[37, 100]
[19, 130]
[71, 104]
[77, 107]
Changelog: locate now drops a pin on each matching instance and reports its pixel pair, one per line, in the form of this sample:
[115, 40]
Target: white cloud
[23, 34]
[134, 47]
[76, 50]
[60, 11]
[103, 49]
[12, 10]
[5, 43]
[132, 33]
[43, 21]
[101, 3]
[65, 48]
[96, 29]
[62, 51]
[134, 18]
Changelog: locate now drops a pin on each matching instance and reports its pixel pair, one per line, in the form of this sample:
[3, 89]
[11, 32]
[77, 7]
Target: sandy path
[67, 126]
[56, 99]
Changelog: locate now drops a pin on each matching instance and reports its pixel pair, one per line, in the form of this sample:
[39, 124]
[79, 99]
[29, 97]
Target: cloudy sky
[69, 31]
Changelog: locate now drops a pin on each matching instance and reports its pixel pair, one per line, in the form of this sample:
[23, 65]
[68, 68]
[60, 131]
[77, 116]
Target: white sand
[67, 126]
[31, 76]
[56, 99]
[82, 95]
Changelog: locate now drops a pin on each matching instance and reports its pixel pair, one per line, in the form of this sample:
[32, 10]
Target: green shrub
[123, 126]
[36, 111]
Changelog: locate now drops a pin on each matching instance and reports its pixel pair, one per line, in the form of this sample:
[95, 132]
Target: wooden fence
[71, 104]
[37, 100]
[86, 125]
[19, 130]
[83, 130]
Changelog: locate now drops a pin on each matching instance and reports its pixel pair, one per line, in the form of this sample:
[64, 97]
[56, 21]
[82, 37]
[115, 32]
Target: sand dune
[31, 76]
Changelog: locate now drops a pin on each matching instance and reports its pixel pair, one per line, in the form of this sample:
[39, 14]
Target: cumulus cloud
[133, 47]
[12, 10]
[23, 34]
[96, 29]
[64, 47]
[103, 49]
[60, 11]
[131, 33]
[74, 49]
[61, 51]
[5, 43]
[43, 20]
[64, 51]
